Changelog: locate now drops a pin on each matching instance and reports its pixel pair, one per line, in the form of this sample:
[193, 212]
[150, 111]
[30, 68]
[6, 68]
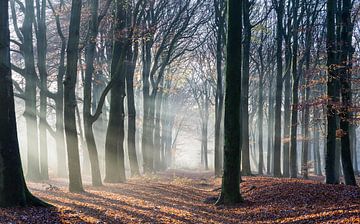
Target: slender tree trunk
[246, 168]
[279, 84]
[134, 165]
[295, 96]
[42, 51]
[260, 122]
[33, 163]
[287, 99]
[219, 98]
[270, 128]
[157, 130]
[59, 100]
[75, 182]
[90, 50]
[146, 138]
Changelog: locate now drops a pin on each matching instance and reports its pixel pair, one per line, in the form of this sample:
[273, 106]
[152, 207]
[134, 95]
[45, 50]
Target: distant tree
[75, 182]
[279, 8]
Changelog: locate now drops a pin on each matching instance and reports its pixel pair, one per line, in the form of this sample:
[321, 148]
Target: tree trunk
[246, 169]
[90, 50]
[279, 84]
[230, 191]
[42, 51]
[14, 191]
[345, 75]
[295, 95]
[75, 182]
[260, 122]
[331, 84]
[33, 163]
[134, 165]
[219, 98]
[270, 128]
[114, 148]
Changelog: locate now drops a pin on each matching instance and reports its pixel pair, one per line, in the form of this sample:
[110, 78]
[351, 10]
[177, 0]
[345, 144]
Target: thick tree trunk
[75, 182]
[331, 84]
[230, 192]
[13, 191]
[114, 148]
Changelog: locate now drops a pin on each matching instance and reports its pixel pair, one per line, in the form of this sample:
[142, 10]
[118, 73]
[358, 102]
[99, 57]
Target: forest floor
[187, 197]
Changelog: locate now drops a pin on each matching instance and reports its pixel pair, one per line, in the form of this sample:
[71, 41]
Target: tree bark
[331, 84]
[279, 84]
[33, 163]
[13, 191]
[245, 154]
[75, 181]
[230, 191]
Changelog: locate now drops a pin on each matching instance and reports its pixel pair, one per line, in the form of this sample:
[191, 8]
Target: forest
[179, 111]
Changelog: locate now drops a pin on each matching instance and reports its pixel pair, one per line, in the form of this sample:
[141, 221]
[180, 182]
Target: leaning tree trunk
[230, 190]
[59, 101]
[13, 191]
[90, 50]
[75, 182]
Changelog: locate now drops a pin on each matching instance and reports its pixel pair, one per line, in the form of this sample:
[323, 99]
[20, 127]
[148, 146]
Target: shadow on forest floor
[179, 197]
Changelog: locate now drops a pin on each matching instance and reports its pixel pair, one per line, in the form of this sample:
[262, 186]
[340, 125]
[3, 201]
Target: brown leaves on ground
[180, 196]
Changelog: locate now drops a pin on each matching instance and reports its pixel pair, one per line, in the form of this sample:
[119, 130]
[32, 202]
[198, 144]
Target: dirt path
[178, 197]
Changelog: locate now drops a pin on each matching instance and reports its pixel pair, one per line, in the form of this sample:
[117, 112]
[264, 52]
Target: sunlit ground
[180, 197]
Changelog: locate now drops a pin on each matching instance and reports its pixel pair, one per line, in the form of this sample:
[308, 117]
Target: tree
[114, 148]
[230, 190]
[219, 97]
[331, 82]
[295, 91]
[75, 182]
[279, 8]
[13, 190]
[345, 75]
